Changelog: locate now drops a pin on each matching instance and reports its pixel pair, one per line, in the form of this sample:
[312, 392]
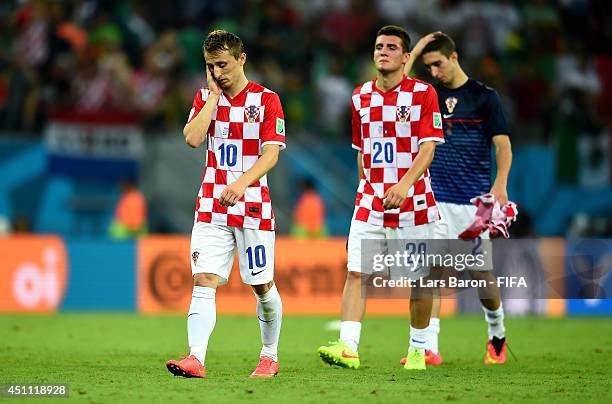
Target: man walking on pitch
[395, 128]
[243, 126]
[473, 119]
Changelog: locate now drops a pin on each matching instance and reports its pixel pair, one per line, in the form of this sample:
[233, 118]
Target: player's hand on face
[213, 86]
[500, 193]
[395, 196]
[231, 194]
[422, 43]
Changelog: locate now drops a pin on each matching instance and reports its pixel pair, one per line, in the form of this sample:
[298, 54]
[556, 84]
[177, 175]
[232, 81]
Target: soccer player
[473, 119]
[396, 125]
[243, 126]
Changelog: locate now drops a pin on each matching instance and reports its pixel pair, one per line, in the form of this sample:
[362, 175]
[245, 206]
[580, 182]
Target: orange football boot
[189, 366]
[265, 369]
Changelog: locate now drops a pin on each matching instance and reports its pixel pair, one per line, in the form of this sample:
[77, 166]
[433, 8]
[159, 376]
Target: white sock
[350, 331]
[270, 315]
[432, 334]
[201, 320]
[495, 320]
[418, 338]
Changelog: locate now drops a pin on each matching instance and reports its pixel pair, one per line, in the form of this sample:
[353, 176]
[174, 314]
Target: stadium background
[92, 92]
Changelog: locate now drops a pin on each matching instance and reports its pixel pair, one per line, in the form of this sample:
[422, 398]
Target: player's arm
[503, 158]
[497, 127]
[359, 166]
[429, 131]
[396, 195]
[234, 191]
[356, 140]
[417, 51]
[195, 131]
[272, 134]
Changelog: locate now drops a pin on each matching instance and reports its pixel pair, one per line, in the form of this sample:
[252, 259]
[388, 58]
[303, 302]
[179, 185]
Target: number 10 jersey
[239, 129]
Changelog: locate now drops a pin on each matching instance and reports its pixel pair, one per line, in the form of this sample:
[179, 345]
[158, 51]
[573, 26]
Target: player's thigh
[481, 249]
[442, 240]
[478, 250]
[418, 242]
[255, 255]
[212, 250]
[473, 254]
[415, 239]
[365, 240]
[456, 218]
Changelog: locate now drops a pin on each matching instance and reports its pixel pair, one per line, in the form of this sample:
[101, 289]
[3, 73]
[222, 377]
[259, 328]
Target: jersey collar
[392, 89]
[235, 100]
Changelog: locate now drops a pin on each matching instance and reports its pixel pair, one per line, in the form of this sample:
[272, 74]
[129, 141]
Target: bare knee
[421, 293]
[262, 289]
[352, 277]
[206, 280]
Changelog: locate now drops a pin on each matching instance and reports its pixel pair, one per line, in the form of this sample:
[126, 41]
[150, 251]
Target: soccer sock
[201, 320]
[432, 335]
[270, 315]
[495, 320]
[418, 337]
[350, 331]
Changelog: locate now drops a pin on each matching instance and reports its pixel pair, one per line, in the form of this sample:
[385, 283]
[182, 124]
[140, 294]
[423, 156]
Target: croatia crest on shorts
[251, 113]
[403, 113]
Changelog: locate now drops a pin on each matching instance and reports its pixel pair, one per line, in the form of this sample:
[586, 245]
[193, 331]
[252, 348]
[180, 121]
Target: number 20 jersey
[239, 129]
[388, 127]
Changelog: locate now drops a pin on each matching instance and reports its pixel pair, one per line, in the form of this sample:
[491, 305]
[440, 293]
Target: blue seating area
[51, 203]
[73, 205]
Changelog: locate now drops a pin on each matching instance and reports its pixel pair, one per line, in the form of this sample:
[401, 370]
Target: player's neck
[460, 79]
[385, 82]
[236, 89]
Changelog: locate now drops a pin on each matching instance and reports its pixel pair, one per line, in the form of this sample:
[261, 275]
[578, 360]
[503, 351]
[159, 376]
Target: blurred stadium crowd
[549, 60]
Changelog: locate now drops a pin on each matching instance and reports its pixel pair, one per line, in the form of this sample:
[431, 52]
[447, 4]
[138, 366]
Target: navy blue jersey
[471, 116]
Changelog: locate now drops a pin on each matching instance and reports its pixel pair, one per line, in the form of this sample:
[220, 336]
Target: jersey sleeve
[198, 103]
[430, 122]
[495, 120]
[355, 125]
[273, 126]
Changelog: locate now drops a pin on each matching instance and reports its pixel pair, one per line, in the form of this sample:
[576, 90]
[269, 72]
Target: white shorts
[455, 219]
[362, 231]
[213, 247]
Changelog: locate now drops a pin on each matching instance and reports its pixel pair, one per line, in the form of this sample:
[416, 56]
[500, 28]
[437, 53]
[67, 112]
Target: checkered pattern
[388, 128]
[239, 129]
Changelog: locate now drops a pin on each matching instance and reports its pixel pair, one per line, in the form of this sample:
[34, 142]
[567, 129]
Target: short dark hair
[219, 40]
[398, 32]
[442, 43]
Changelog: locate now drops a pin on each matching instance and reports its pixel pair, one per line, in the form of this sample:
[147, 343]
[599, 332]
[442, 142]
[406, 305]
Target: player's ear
[405, 57]
[454, 57]
[242, 59]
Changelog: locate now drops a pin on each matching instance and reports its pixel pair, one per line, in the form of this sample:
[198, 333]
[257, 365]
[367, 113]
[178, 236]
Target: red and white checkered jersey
[239, 129]
[388, 128]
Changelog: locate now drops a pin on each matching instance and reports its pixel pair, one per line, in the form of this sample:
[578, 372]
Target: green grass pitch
[111, 358]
